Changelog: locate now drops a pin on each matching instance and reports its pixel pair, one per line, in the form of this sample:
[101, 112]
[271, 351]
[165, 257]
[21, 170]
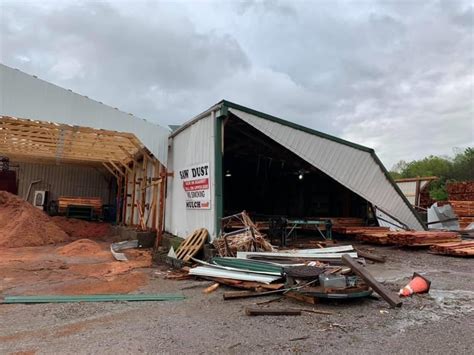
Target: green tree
[459, 168]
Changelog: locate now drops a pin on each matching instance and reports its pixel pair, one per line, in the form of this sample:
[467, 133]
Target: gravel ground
[440, 322]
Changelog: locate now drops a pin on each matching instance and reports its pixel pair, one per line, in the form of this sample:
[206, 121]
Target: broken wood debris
[272, 312]
[386, 294]
[245, 239]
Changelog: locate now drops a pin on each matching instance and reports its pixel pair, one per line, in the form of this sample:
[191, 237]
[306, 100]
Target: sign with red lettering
[196, 185]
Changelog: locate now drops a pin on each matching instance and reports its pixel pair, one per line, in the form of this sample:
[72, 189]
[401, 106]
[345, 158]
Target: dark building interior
[266, 179]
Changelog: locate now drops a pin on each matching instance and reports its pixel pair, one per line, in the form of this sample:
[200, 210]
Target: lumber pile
[422, 238]
[409, 238]
[462, 248]
[94, 202]
[341, 222]
[359, 229]
[461, 191]
[374, 238]
[464, 210]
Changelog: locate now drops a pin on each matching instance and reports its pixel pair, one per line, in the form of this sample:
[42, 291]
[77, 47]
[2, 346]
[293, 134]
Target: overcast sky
[397, 76]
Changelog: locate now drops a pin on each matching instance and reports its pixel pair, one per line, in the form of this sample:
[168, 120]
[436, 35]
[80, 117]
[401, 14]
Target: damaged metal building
[270, 166]
[228, 159]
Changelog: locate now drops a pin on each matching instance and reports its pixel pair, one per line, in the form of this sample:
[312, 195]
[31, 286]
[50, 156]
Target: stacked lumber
[65, 201]
[409, 238]
[422, 238]
[359, 230]
[374, 238]
[425, 199]
[463, 209]
[461, 191]
[462, 248]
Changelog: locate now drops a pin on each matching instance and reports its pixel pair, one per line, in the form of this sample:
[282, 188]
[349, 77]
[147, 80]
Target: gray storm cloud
[396, 76]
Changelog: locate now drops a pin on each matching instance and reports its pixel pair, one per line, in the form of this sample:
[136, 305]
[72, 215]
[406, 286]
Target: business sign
[197, 186]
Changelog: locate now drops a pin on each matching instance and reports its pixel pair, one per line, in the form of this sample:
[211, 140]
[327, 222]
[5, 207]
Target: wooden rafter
[51, 141]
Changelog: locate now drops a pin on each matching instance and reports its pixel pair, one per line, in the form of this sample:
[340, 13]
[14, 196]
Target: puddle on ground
[436, 306]
[462, 300]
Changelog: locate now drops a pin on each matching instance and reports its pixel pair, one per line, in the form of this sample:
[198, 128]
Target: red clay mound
[79, 229]
[23, 225]
[81, 247]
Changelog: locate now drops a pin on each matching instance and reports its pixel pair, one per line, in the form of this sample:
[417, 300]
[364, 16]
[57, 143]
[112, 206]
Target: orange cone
[418, 284]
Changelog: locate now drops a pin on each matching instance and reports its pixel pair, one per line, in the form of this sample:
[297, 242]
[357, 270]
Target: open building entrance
[271, 182]
[83, 172]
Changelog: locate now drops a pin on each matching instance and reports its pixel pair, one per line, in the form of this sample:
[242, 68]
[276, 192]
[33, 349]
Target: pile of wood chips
[249, 239]
[463, 248]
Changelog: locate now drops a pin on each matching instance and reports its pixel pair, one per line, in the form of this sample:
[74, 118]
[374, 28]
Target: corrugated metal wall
[64, 180]
[194, 145]
[353, 168]
[24, 96]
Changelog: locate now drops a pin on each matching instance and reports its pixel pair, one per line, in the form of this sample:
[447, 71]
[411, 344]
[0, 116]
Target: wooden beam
[155, 192]
[50, 155]
[386, 294]
[134, 186]
[161, 207]
[116, 168]
[272, 312]
[110, 170]
[57, 126]
[130, 155]
[125, 166]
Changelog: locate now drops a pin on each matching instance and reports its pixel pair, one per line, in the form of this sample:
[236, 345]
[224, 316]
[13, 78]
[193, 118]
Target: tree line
[447, 169]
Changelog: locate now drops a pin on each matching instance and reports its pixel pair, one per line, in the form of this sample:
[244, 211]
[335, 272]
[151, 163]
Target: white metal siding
[408, 188]
[351, 167]
[192, 146]
[24, 96]
[64, 180]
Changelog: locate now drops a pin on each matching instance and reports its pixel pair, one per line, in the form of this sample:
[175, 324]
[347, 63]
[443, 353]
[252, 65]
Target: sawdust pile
[22, 224]
[81, 247]
[79, 229]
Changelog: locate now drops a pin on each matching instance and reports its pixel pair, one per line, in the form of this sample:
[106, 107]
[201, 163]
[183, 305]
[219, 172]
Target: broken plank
[211, 288]
[386, 294]
[232, 295]
[300, 297]
[271, 312]
[371, 256]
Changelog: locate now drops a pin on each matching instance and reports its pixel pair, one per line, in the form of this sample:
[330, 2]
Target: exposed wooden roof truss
[29, 139]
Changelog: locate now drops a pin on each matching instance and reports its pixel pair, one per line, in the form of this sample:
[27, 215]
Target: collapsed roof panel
[353, 166]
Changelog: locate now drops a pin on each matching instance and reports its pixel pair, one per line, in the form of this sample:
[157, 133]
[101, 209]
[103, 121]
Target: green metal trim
[218, 174]
[395, 186]
[229, 104]
[92, 298]
[247, 264]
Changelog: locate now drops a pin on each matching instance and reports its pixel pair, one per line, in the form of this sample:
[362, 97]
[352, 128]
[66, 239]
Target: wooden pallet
[192, 244]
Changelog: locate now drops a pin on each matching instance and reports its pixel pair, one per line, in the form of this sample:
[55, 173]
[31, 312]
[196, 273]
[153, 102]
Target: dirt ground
[440, 322]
